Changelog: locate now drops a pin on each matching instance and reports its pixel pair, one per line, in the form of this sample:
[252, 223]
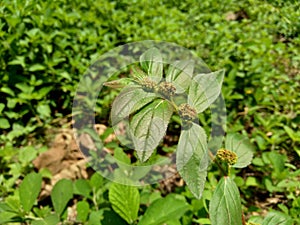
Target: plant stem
[212, 157]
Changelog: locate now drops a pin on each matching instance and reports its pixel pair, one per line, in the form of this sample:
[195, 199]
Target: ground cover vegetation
[46, 46]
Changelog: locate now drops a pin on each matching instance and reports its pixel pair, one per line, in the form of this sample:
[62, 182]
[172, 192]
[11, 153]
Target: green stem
[212, 157]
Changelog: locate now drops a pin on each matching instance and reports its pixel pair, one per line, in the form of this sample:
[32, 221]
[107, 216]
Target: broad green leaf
[61, 194]
[164, 209]
[225, 206]
[204, 89]
[125, 201]
[29, 190]
[180, 73]
[121, 156]
[148, 127]
[96, 181]
[4, 124]
[95, 218]
[82, 209]
[277, 218]
[242, 147]
[82, 187]
[192, 158]
[130, 99]
[151, 61]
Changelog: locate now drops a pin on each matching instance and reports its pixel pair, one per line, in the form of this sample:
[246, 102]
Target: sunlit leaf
[180, 73]
[205, 89]
[192, 158]
[151, 61]
[130, 99]
[61, 194]
[125, 201]
[225, 206]
[242, 147]
[148, 127]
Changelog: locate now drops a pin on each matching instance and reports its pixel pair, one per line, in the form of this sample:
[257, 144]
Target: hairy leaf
[149, 126]
[151, 61]
[242, 147]
[130, 99]
[192, 158]
[180, 73]
[205, 89]
[125, 201]
[225, 206]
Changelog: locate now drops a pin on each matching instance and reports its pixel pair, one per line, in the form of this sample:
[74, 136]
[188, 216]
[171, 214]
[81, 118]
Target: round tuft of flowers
[148, 85]
[227, 156]
[166, 89]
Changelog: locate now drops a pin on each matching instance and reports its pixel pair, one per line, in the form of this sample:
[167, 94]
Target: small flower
[227, 156]
[166, 89]
[188, 114]
[148, 85]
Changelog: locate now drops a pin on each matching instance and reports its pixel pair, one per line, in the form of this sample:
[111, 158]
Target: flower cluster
[166, 89]
[227, 156]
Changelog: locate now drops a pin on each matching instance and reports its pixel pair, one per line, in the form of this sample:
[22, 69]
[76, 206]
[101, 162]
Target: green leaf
[164, 209]
[2, 106]
[295, 136]
[29, 190]
[151, 61]
[192, 158]
[96, 181]
[4, 124]
[95, 218]
[125, 201]
[180, 73]
[121, 156]
[205, 89]
[277, 218]
[148, 127]
[51, 219]
[130, 99]
[7, 90]
[44, 110]
[82, 209]
[42, 92]
[61, 194]
[27, 154]
[242, 147]
[225, 206]
[82, 187]
[36, 67]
